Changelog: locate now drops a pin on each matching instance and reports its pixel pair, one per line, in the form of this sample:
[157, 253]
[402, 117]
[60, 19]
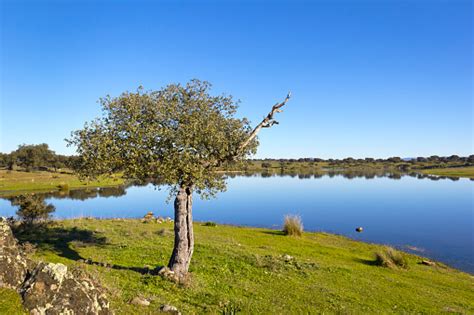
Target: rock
[287, 257]
[53, 289]
[428, 263]
[169, 309]
[359, 229]
[169, 274]
[148, 217]
[140, 301]
[168, 219]
[13, 263]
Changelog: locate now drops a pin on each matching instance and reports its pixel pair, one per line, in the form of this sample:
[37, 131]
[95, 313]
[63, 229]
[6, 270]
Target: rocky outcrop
[13, 263]
[48, 288]
[53, 289]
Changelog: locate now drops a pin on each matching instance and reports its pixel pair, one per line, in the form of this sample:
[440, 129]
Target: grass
[452, 171]
[15, 182]
[10, 302]
[248, 269]
[292, 225]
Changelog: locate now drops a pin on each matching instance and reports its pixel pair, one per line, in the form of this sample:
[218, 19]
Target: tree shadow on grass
[274, 232]
[141, 270]
[59, 239]
[367, 262]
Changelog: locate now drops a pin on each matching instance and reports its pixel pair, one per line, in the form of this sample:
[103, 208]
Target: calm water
[435, 216]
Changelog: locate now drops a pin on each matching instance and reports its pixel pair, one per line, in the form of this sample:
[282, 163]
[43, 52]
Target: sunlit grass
[259, 271]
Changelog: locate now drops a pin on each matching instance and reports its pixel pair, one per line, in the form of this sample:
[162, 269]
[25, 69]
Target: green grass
[10, 302]
[453, 171]
[15, 182]
[246, 268]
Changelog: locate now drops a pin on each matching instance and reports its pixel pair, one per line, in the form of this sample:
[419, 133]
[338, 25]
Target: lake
[426, 215]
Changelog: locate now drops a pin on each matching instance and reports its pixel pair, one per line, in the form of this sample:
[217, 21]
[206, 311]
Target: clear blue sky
[369, 78]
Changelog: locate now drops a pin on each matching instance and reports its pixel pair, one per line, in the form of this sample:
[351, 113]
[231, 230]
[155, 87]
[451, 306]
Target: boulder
[13, 263]
[428, 262]
[167, 273]
[140, 301]
[148, 217]
[169, 309]
[53, 289]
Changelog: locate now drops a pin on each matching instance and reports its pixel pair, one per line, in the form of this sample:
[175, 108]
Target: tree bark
[183, 232]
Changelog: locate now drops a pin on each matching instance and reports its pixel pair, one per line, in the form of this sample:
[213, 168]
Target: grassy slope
[244, 267]
[12, 182]
[455, 171]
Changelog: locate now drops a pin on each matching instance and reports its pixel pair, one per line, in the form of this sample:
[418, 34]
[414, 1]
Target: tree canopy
[33, 157]
[177, 135]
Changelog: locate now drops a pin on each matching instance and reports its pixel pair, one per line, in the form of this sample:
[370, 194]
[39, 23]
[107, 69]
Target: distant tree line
[402, 164]
[35, 157]
[39, 157]
[396, 159]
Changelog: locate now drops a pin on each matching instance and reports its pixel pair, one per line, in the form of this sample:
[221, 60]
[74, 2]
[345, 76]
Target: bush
[63, 186]
[390, 258]
[210, 223]
[33, 208]
[293, 225]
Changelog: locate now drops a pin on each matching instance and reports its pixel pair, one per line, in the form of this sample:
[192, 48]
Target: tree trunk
[183, 232]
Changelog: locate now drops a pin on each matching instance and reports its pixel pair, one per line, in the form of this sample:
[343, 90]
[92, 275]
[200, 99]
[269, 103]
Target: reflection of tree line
[33, 207]
[349, 174]
[88, 193]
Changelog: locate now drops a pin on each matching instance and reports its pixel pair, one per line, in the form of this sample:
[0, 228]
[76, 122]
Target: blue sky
[369, 78]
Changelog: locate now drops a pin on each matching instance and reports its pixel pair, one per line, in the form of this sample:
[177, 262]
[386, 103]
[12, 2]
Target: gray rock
[13, 263]
[148, 217]
[167, 273]
[53, 289]
[428, 262]
[169, 309]
[140, 301]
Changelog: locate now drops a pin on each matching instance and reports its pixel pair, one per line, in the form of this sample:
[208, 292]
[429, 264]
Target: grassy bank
[14, 182]
[246, 268]
[454, 171]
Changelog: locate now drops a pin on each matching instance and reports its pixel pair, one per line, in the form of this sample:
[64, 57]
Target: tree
[178, 136]
[32, 157]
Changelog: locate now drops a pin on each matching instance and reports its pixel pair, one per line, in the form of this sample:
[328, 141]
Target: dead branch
[267, 122]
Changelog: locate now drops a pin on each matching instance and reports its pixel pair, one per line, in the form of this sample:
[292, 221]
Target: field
[453, 171]
[14, 182]
[247, 269]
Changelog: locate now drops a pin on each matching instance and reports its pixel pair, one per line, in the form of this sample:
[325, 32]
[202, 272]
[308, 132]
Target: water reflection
[349, 174]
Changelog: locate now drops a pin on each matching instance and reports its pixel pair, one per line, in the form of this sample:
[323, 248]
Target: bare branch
[267, 122]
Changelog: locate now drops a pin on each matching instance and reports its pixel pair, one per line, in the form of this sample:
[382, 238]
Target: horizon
[368, 79]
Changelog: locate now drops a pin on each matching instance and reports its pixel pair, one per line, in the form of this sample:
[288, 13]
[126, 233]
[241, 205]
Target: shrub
[210, 223]
[293, 225]
[63, 186]
[390, 258]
